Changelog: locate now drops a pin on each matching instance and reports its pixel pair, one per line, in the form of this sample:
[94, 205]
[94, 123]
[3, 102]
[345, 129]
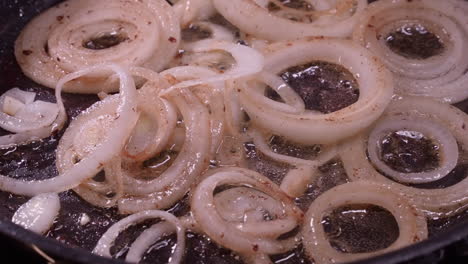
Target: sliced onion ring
[54, 43]
[105, 242]
[375, 85]
[443, 76]
[93, 163]
[436, 203]
[38, 214]
[256, 20]
[411, 222]
[229, 235]
[448, 148]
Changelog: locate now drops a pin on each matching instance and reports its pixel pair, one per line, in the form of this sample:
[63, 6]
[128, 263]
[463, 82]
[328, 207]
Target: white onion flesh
[149, 237]
[437, 202]
[249, 241]
[149, 30]
[411, 222]
[248, 62]
[375, 86]
[169, 187]
[105, 242]
[190, 10]
[442, 76]
[256, 20]
[107, 149]
[447, 147]
[38, 214]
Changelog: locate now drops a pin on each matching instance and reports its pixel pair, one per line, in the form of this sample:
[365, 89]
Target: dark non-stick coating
[449, 246]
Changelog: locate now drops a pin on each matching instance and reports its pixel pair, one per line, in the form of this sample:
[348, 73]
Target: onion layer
[244, 237]
[436, 202]
[104, 152]
[105, 242]
[255, 19]
[447, 147]
[411, 222]
[38, 214]
[375, 85]
[441, 76]
[77, 34]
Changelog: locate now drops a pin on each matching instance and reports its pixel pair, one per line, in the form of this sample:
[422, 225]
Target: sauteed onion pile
[195, 95]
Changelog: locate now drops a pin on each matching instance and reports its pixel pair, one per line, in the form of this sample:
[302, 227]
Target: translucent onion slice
[246, 209]
[30, 120]
[435, 202]
[190, 10]
[60, 40]
[149, 237]
[411, 222]
[246, 238]
[17, 116]
[38, 214]
[254, 18]
[211, 95]
[169, 187]
[248, 62]
[442, 76]
[105, 242]
[448, 148]
[310, 127]
[104, 152]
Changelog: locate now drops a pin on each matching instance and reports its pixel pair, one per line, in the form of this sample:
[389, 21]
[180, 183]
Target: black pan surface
[67, 243]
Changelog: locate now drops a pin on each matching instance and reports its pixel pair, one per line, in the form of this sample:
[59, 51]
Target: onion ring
[243, 238]
[38, 214]
[105, 151]
[441, 76]
[58, 41]
[256, 20]
[411, 222]
[375, 84]
[435, 202]
[104, 244]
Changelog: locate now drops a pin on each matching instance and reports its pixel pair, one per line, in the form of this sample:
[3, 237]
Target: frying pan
[448, 246]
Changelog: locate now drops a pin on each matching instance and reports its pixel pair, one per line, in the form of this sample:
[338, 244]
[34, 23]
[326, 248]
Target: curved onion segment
[78, 34]
[234, 219]
[190, 10]
[411, 222]
[104, 151]
[248, 62]
[375, 86]
[38, 214]
[435, 202]
[253, 17]
[169, 187]
[105, 242]
[447, 146]
[442, 75]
